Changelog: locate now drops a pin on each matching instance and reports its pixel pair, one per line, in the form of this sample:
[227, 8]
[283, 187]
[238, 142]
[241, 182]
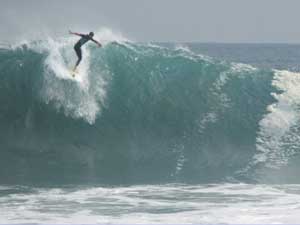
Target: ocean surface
[149, 132]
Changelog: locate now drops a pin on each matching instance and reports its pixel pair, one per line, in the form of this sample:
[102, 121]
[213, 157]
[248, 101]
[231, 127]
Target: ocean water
[149, 132]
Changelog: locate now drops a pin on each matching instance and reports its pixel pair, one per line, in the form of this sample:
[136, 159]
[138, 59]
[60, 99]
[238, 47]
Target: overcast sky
[156, 20]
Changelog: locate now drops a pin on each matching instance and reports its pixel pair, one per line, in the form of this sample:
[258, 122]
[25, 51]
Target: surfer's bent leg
[79, 54]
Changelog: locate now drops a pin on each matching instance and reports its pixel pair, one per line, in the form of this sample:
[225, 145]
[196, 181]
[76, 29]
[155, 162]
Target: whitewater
[149, 132]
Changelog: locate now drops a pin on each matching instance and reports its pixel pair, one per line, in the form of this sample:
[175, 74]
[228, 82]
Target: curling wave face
[141, 113]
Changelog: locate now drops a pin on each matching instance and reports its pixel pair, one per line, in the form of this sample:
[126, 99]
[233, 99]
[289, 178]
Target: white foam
[174, 203]
[276, 128]
[77, 98]
[61, 61]
[241, 67]
[184, 48]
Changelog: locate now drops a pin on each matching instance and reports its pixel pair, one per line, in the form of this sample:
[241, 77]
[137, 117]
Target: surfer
[84, 39]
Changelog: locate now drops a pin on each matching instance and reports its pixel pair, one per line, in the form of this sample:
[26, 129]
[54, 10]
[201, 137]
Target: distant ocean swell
[140, 113]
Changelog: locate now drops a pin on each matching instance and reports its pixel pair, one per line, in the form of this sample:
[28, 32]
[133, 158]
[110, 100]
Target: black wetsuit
[77, 47]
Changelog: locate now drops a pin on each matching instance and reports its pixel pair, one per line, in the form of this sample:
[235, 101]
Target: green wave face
[136, 113]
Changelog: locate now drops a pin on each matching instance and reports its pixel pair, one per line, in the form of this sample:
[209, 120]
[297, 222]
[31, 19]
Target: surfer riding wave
[84, 39]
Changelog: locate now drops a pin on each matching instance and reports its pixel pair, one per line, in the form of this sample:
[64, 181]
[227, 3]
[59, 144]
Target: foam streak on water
[223, 203]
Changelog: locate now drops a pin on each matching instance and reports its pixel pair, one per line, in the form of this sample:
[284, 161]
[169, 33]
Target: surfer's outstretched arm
[96, 42]
[75, 33]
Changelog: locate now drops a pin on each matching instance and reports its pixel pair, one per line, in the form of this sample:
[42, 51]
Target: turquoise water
[149, 133]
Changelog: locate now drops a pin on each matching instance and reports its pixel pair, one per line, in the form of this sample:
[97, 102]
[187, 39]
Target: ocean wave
[139, 113]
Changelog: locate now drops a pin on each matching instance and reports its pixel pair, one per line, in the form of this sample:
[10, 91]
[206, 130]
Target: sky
[250, 21]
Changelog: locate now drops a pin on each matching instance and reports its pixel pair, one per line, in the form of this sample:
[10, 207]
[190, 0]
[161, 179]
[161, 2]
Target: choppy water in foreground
[145, 204]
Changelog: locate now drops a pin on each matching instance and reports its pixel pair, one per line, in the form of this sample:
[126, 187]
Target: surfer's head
[91, 34]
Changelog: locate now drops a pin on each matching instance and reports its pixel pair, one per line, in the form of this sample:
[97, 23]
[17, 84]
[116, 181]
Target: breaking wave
[142, 113]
